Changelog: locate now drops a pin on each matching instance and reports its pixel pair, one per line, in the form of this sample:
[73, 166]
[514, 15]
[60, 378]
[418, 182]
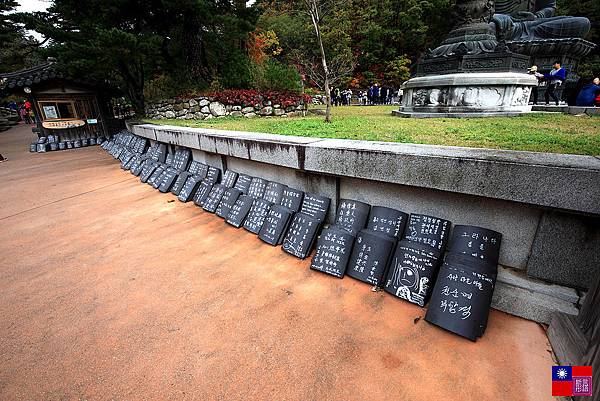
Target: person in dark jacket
[555, 78]
[587, 95]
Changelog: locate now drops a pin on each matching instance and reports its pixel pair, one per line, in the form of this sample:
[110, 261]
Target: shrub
[252, 97]
[275, 76]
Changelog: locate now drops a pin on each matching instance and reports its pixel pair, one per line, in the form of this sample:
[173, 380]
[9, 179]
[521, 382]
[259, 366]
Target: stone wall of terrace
[547, 206]
[202, 108]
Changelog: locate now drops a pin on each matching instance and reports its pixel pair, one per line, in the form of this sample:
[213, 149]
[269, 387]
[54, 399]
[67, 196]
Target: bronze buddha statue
[527, 20]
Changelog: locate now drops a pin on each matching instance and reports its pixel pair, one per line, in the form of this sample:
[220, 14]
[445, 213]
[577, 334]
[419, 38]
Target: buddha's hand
[523, 16]
[504, 26]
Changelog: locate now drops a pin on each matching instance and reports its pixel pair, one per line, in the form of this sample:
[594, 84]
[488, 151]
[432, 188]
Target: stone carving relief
[420, 97]
[521, 96]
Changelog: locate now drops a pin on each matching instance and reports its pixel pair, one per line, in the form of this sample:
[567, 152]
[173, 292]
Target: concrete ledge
[529, 304]
[531, 299]
[568, 182]
[416, 114]
[590, 111]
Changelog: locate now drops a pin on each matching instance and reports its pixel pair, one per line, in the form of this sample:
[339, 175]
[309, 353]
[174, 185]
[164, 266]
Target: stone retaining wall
[546, 206]
[201, 108]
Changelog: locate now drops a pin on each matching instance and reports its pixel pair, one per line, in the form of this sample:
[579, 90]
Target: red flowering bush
[252, 97]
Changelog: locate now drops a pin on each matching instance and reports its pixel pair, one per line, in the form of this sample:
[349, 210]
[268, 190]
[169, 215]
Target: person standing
[338, 96]
[533, 70]
[376, 93]
[24, 114]
[587, 95]
[555, 79]
[370, 94]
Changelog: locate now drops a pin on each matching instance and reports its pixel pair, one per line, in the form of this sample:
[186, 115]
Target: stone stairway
[8, 118]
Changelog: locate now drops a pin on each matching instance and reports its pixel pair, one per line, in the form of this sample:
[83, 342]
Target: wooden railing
[576, 340]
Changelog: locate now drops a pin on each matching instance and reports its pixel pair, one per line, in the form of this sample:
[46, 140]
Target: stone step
[532, 299]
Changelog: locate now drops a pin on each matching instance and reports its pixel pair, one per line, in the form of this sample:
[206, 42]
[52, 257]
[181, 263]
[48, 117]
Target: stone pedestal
[467, 95]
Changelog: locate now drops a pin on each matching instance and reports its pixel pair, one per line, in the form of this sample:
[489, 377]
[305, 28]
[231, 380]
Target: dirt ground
[110, 290]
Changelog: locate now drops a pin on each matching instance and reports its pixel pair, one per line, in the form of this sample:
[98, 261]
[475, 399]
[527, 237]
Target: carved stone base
[467, 95]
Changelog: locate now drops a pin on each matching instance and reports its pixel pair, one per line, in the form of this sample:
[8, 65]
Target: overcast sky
[33, 5]
[42, 5]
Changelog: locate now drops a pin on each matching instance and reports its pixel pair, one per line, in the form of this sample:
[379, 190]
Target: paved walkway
[111, 290]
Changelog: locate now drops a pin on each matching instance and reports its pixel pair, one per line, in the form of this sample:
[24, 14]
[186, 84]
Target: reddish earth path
[111, 290]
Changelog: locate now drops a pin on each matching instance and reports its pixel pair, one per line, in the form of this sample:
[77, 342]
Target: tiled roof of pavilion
[35, 75]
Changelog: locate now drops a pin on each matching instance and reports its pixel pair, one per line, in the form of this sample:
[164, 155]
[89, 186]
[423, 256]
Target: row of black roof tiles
[35, 75]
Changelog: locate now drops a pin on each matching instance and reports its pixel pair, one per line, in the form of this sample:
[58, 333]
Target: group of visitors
[341, 97]
[375, 95]
[588, 96]
[23, 109]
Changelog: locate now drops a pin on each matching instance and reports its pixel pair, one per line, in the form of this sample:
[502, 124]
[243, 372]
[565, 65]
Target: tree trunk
[134, 84]
[137, 99]
[314, 15]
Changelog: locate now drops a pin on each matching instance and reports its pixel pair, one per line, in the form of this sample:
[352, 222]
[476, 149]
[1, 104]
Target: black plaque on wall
[274, 192]
[229, 178]
[141, 145]
[138, 165]
[315, 206]
[125, 160]
[180, 182]
[477, 265]
[480, 243]
[158, 181]
[352, 215]
[301, 235]
[230, 196]
[127, 165]
[214, 197]
[203, 192]
[194, 167]
[182, 158]
[238, 212]
[461, 300]
[257, 188]
[370, 257]
[333, 252]
[412, 272]
[147, 170]
[292, 199]
[168, 179]
[189, 189]
[428, 230]
[160, 152]
[213, 174]
[388, 221]
[202, 171]
[257, 214]
[157, 173]
[243, 183]
[275, 225]
[169, 159]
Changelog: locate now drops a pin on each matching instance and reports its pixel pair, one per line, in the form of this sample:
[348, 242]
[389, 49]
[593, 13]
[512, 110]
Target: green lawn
[556, 133]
